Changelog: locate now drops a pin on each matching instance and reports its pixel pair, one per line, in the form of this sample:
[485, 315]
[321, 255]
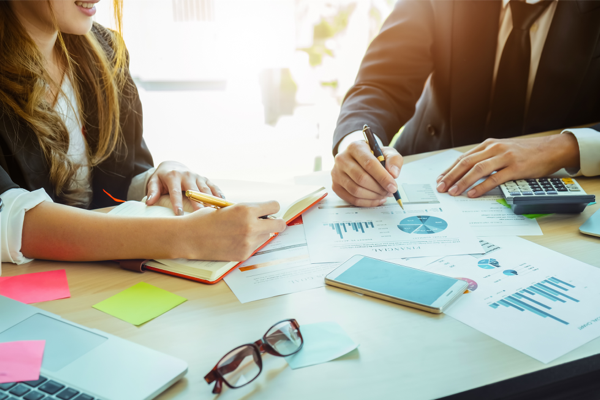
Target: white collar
[505, 2]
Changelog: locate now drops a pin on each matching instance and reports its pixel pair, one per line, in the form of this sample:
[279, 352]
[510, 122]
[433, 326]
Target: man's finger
[344, 195]
[363, 179]
[461, 167]
[480, 147]
[373, 167]
[393, 161]
[491, 182]
[479, 170]
[357, 191]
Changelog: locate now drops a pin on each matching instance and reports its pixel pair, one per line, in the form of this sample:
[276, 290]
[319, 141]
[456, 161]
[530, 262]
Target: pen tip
[400, 203]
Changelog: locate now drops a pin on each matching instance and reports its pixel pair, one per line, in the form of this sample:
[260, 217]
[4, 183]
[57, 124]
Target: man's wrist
[568, 150]
[353, 137]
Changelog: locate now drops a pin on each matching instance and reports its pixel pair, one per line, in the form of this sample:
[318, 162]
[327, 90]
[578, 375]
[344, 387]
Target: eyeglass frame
[260, 347]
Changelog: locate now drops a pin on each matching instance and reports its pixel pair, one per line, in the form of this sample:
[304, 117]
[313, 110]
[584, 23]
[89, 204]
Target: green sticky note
[140, 303]
[530, 216]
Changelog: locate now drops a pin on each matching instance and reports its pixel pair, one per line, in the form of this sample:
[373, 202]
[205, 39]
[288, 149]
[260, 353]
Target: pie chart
[422, 225]
[472, 284]
[510, 272]
[488, 263]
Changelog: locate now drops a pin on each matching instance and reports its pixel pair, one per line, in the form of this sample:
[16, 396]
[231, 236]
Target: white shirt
[18, 201]
[588, 139]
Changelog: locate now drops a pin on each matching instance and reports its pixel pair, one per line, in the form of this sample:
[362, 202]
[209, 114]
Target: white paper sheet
[540, 302]
[485, 215]
[284, 267]
[336, 231]
[281, 267]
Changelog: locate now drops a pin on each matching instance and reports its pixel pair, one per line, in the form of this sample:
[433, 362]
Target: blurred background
[245, 89]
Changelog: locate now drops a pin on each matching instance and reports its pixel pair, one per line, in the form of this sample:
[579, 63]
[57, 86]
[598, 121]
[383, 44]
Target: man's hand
[360, 179]
[511, 159]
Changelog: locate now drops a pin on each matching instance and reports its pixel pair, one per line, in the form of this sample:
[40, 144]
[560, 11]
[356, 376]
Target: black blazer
[440, 56]
[22, 163]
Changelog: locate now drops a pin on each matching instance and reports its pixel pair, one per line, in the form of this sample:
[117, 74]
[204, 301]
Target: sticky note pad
[140, 303]
[323, 342]
[36, 287]
[21, 361]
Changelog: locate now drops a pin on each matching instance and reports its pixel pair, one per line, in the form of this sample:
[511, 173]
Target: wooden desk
[403, 353]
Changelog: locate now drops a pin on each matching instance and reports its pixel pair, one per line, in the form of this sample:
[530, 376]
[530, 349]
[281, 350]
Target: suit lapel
[31, 171]
[565, 59]
[474, 40]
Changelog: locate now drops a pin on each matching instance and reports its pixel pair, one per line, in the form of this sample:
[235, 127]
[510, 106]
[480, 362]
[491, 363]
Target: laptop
[81, 363]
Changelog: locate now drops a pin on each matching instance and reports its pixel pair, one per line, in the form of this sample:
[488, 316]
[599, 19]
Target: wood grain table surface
[403, 353]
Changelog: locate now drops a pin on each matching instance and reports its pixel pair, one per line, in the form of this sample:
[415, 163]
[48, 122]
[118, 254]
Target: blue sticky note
[323, 342]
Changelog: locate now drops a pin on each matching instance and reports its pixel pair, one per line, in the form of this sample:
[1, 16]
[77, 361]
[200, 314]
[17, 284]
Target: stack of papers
[519, 292]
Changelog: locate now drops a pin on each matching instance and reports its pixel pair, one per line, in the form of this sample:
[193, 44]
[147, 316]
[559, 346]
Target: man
[475, 78]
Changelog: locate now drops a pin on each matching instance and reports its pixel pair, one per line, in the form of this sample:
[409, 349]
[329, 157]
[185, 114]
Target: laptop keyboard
[42, 389]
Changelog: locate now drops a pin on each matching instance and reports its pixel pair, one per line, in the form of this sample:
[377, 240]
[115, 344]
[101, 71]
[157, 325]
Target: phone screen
[396, 281]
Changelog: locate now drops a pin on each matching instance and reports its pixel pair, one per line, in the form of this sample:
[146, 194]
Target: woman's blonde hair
[23, 91]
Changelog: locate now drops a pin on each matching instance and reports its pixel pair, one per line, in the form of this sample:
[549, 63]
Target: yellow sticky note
[140, 303]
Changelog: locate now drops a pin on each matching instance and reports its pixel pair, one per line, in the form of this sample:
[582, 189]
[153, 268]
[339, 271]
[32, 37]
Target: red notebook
[293, 199]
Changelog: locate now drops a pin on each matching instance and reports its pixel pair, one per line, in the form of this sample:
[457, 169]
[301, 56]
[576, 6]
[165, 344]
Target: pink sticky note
[21, 361]
[36, 287]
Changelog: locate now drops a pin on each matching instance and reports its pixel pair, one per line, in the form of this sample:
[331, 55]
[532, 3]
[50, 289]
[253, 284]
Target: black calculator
[546, 195]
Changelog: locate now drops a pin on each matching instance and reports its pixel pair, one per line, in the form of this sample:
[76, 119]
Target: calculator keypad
[541, 187]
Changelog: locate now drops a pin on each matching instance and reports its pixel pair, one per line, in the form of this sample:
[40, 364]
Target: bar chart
[540, 298]
[342, 228]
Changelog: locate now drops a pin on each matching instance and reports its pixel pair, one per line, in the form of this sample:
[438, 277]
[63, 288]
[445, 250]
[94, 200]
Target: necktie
[507, 112]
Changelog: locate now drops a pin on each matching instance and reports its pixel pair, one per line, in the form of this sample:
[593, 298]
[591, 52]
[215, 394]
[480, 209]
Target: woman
[71, 139]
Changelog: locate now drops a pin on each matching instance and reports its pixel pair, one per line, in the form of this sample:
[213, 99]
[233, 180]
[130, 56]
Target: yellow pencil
[199, 197]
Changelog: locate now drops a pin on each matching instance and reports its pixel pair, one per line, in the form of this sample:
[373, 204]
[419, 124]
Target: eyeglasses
[243, 364]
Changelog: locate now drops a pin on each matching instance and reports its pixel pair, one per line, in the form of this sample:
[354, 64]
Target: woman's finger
[215, 189]
[174, 185]
[190, 184]
[202, 186]
[153, 190]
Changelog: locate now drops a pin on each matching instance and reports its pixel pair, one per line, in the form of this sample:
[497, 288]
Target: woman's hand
[360, 179]
[511, 159]
[172, 178]
[229, 234]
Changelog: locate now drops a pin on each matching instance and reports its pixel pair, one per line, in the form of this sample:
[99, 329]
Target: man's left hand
[511, 159]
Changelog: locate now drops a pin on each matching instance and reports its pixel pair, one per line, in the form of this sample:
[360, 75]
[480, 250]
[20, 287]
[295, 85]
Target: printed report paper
[540, 302]
[483, 214]
[335, 231]
[281, 267]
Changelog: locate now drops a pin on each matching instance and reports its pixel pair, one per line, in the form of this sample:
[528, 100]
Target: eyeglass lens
[284, 338]
[240, 366]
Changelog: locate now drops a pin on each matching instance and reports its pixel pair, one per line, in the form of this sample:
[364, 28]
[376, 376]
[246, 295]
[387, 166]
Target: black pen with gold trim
[376, 150]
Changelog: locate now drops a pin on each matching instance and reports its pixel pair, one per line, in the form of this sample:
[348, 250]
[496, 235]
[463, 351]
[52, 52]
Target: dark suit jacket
[22, 163]
[440, 56]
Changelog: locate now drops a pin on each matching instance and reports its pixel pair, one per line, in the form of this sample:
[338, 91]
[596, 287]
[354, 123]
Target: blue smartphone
[396, 283]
